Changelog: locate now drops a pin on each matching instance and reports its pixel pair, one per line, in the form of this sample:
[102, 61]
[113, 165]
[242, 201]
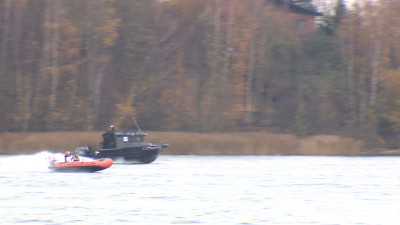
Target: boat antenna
[137, 125]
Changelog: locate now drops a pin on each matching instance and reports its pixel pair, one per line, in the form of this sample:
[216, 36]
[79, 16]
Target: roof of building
[297, 8]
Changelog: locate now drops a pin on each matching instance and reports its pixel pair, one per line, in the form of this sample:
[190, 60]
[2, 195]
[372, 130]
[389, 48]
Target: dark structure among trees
[301, 18]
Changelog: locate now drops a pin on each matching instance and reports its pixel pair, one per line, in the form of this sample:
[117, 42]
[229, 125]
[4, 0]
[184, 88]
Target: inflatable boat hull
[81, 166]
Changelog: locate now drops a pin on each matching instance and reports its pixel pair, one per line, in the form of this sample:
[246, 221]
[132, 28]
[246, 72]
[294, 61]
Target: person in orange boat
[67, 154]
[75, 158]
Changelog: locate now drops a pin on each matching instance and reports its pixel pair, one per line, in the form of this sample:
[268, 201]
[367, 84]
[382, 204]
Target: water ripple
[205, 190]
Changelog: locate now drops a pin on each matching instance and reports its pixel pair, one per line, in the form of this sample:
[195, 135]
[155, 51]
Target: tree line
[200, 66]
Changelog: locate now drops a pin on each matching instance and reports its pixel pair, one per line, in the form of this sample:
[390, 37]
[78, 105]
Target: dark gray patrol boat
[124, 146]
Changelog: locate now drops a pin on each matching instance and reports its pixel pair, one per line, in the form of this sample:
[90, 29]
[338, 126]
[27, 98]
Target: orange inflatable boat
[81, 166]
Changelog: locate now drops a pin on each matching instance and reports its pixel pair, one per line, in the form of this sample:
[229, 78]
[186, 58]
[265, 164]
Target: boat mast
[137, 125]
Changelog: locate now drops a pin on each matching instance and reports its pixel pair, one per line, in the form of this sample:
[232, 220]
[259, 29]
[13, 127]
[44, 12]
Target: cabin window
[133, 138]
[300, 25]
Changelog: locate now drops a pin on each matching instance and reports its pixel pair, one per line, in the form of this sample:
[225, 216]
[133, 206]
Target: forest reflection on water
[205, 190]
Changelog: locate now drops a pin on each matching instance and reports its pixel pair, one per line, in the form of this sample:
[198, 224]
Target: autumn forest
[200, 66]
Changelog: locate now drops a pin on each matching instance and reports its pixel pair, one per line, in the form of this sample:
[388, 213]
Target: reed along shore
[183, 143]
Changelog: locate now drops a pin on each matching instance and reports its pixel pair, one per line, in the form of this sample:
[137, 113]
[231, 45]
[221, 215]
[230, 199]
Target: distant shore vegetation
[182, 143]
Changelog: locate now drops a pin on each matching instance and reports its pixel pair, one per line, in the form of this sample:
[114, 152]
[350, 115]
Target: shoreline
[184, 143]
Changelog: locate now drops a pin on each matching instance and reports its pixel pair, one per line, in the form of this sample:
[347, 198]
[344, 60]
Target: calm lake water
[205, 190]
